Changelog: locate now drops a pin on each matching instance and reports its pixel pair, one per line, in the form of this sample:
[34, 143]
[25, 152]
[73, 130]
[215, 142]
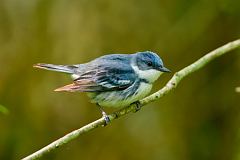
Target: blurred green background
[199, 120]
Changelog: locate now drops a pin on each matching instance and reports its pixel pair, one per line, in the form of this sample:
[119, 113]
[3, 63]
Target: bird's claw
[106, 118]
[104, 115]
[138, 106]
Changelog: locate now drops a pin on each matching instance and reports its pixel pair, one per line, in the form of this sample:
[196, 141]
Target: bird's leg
[138, 106]
[105, 116]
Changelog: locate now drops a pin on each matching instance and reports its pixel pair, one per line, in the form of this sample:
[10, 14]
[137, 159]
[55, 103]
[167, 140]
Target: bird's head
[149, 66]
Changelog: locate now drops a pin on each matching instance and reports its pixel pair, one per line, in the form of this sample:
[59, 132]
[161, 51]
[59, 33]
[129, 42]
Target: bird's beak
[164, 69]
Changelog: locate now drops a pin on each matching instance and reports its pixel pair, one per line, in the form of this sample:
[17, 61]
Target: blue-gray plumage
[114, 80]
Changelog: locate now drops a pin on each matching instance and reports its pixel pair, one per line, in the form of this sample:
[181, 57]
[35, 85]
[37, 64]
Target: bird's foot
[106, 118]
[137, 106]
[104, 115]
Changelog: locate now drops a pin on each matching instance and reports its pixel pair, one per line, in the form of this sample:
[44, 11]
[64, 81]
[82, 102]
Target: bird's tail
[58, 68]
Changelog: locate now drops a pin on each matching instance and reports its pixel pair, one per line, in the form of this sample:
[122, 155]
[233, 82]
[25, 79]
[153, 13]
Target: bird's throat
[150, 75]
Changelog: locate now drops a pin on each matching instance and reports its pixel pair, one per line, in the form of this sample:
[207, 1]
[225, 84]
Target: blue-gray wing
[102, 78]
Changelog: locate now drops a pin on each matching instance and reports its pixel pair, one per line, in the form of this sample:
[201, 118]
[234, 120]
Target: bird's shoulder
[112, 63]
[117, 73]
[114, 57]
[111, 71]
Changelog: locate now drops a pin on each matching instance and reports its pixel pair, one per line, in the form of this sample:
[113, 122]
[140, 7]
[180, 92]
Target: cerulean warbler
[114, 80]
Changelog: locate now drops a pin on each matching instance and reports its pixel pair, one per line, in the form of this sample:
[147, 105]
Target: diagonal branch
[172, 83]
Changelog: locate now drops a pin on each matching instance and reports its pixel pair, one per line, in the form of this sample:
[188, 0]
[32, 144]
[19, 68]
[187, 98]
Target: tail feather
[68, 88]
[57, 68]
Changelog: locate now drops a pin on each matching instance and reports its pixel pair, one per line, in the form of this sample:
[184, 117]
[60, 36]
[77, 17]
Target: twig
[172, 83]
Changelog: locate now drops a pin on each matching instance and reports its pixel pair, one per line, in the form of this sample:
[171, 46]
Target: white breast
[75, 76]
[149, 75]
[114, 98]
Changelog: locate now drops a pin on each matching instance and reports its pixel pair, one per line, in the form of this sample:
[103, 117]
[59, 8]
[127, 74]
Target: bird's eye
[149, 63]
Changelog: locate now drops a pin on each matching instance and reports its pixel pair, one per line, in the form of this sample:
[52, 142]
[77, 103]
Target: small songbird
[114, 80]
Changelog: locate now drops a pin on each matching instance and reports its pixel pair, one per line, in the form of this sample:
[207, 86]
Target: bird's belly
[120, 98]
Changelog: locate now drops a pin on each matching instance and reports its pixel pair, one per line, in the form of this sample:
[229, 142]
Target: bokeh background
[199, 120]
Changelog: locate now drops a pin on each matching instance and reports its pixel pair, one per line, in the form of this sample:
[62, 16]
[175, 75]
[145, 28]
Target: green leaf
[4, 110]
